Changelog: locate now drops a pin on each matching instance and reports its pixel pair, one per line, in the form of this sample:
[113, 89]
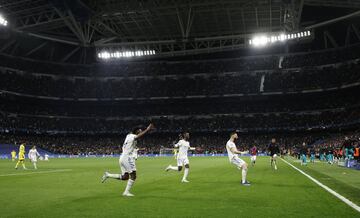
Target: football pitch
[72, 188]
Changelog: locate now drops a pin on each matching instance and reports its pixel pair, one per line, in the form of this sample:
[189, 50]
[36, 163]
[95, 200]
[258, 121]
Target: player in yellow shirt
[13, 155]
[21, 157]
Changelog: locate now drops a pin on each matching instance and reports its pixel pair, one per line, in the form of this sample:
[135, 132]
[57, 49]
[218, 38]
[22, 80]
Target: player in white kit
[234, 159]
[182, 156]
[127, 160]
[33, 156]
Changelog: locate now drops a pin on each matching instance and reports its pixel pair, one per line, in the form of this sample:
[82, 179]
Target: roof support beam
[181, 24]
[13, 50]
[328, 36]
[70, 25]
[328, 22]
[78, 28]
[70, 54]
[190, 19]
[356, 31]
[36, 20]
[7, 45]
[301, 6]
[35, 49]
[51, 38]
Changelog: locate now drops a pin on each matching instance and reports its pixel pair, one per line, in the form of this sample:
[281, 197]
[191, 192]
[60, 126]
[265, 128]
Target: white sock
[243, 175]
[129, 185]
[173, 168]
[186, 173]
[114, 176]
[35, 166]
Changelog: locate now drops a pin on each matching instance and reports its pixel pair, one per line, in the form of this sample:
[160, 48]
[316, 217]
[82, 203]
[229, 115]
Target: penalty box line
[342, 198]
[40, 172]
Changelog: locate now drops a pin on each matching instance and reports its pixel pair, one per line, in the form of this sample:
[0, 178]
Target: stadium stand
[293, 97]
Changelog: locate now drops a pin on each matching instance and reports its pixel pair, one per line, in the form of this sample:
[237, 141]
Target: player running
[312, 155]
[13, 155]
[330, 155]
[33, 156]
[234, 158]
[21, 157]
[274, 150]
[253, 152]
[127, 159]
[182, 156]
[303, 154]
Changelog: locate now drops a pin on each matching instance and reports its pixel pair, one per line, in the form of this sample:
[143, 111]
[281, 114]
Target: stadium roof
[167, 26]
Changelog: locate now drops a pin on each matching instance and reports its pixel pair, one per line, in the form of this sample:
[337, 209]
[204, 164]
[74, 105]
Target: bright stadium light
[3, 21]
[124, 54]
[259, 41]
[263, 40]
[282, 37]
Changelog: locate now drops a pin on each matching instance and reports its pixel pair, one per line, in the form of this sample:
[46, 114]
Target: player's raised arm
[142, 133]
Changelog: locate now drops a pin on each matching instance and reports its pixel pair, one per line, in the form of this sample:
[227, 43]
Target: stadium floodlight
[124, 54]
[263, 40]
[282, 37]
[259, 41]
[3, 21]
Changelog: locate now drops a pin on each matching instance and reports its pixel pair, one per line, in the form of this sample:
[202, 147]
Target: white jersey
[33, 154]
[129, 145]
[135, 153]
[183, 146]
[230, 145]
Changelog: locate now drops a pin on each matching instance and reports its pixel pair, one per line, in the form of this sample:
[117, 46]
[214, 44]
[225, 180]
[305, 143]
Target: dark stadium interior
[94, 83]
[55, 85]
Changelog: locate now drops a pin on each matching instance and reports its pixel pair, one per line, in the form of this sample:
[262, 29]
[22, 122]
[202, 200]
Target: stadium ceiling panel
[168, 26]
[132, 21]
[334, 3]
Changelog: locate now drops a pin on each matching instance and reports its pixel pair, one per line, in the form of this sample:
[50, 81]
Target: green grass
[214, 190]
[340, 179]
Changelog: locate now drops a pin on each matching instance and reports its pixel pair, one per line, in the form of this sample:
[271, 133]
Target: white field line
[39, 172]
[342, 198]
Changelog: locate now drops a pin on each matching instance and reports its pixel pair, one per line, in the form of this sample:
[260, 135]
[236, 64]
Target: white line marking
[40, 172]
[342, 198]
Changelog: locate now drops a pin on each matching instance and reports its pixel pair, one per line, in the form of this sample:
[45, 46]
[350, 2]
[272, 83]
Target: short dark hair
[233, 132]
[135, 129]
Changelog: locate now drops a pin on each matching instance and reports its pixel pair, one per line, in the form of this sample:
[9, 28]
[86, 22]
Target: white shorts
[238, 162]
[127, 164]
[253, 158]
[182, 161]
[274, 156]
